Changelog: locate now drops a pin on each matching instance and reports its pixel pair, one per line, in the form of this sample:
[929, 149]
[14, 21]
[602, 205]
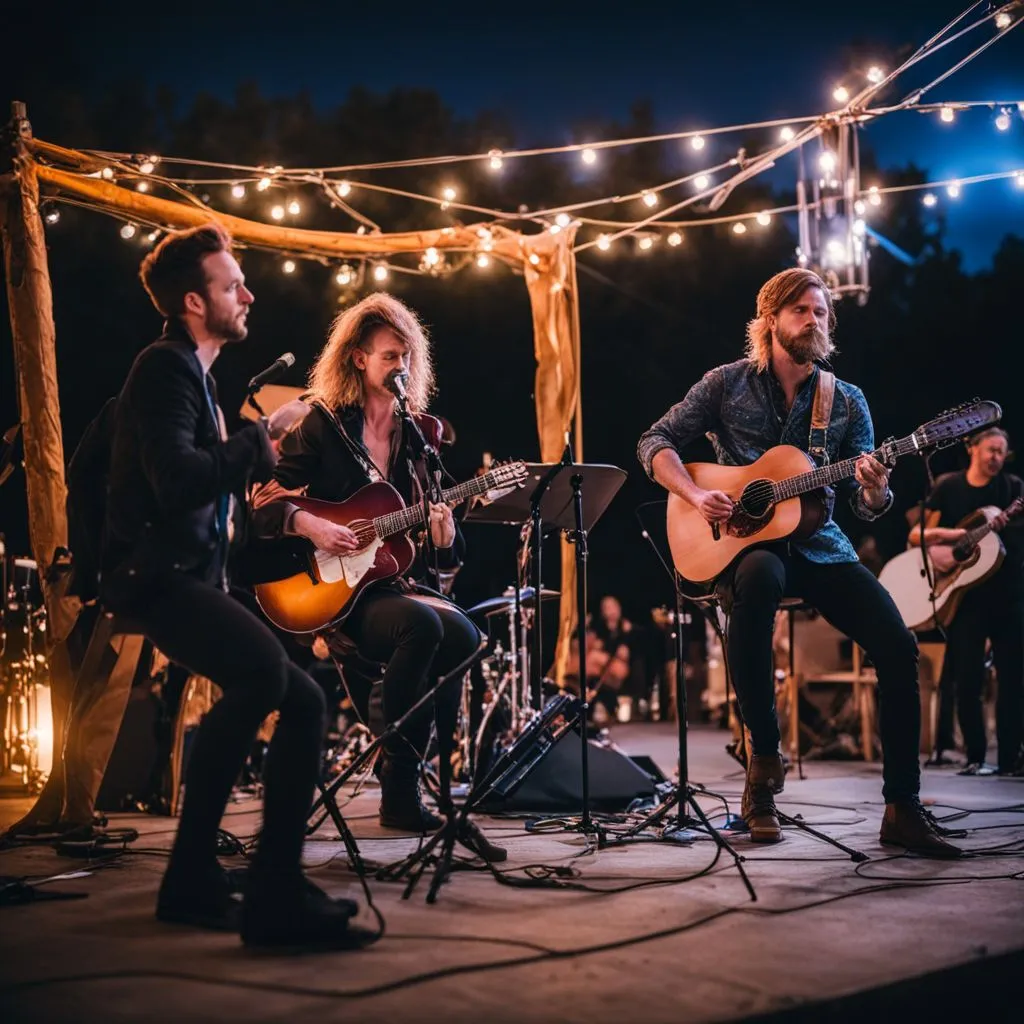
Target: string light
[827, 161]
[263, 184]
[697, 142]
[294, 208]
[929, 199]
[739, 228]
[147, 166]
[142, 186]
[837, 250]
[380, 272]
[108, 173]
[604, 242]
[52, 216]
[288, 266]
[675, 239]
[554, 228]
[859, 227]
[946, 115]
[873, 197]
[152, 236]
[840, 94]
[534, 258]
[1003, 20]
[786, 134]
[588, 156]
[277, 212]
[483, 260]
[128, 231]
[859, 207]
[1003, 121]
[343, 188]
[495, 159]
[645, 242]
[701, 182]
[563, 220]
[953, 190]
[448, 194]
[431, 257]
[1020, 179]
[649, 198]
[344, 275]
[238, 191]
[875, 74]
[764, 218]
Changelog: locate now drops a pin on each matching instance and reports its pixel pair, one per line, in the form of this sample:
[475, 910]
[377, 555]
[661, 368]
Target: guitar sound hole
[753, 511]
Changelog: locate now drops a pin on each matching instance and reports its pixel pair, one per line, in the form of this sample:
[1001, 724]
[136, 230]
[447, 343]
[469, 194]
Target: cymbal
[507, 601]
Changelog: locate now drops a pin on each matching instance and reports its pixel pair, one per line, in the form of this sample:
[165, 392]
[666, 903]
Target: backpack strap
[821, 414]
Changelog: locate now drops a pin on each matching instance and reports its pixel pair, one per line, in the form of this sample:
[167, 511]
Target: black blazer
[169, 469]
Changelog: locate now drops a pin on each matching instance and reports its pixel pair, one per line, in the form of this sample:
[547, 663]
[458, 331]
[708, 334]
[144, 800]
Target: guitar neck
[825, 476]
[972, 538]
[406, 518]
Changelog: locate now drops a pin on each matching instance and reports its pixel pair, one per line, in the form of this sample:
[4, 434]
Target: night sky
[548, 68]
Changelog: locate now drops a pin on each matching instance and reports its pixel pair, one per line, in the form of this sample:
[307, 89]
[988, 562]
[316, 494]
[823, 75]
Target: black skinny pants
[418, 641]
[215, 635]
[852, 600]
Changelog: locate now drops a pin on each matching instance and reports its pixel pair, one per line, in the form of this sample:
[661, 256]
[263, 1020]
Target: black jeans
[418, 642]
[986, 615]
[852, 600]
[215, 635]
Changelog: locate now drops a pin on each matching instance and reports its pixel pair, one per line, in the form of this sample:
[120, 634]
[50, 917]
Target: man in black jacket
[174, 478]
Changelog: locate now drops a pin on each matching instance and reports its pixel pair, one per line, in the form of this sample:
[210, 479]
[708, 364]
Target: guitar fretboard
[406, 518]
[825, 476]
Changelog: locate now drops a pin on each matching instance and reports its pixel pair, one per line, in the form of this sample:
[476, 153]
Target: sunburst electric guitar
[781, 494]
[925, 597]
[327, 591]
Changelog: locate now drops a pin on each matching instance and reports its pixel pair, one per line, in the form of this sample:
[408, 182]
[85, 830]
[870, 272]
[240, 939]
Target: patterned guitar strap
[821, 414]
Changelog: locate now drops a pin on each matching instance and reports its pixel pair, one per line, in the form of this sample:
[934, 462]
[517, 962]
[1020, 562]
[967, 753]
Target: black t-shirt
[954, 498]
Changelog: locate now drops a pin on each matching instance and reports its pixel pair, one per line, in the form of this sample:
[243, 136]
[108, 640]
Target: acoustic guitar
[980, 551]
[325, 593]
[781, 494]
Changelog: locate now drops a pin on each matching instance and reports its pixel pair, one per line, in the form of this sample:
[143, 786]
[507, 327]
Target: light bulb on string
[929, 199]
[874, 198]
[554, 228]
[288, 266]
[563, 220]
[108, 173]
[534, 258]
[697, 142]
[431, 257]
[147, 166]
[675, 239]
[859, 227]
[764, 218]
[837, 250]
[786, 133]
[588, 156]
[946, 115]
[1003, 20]
[52, 216]
[483, 260]
[1003, 121]
[380, 272]
[875, 74]
[739, 228]
[448, 194]
[645, 242]
[1020, 179]
[238, 191]
[153, 236]
[128, 231]
[840, 94]
[263, 184]
[294, 208]
[142, 186]
[344, 275]
[953, 190]
[827, 161]
[649, 198]
[701, 182]
[343, 188]
[277, 212]
[604, 242]
[494, 159]
[859, 207]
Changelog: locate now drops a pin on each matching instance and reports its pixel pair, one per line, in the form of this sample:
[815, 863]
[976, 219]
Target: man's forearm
[669, 471]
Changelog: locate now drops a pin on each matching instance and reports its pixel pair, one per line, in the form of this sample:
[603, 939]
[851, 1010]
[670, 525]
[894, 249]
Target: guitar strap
[821, 414]
[356, 450]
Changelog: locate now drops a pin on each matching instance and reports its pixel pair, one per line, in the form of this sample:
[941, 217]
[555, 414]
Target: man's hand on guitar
[325, 535]
[942, 557]
[714, 506]
[874, 478]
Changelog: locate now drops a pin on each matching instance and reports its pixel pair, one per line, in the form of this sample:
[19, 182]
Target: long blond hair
[334, 378]
[775, 293]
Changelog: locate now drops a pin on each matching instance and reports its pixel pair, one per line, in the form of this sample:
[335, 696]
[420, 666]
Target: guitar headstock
[953, 424]
[508, 474]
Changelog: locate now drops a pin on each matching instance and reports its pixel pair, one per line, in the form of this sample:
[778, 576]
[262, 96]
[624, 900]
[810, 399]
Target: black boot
[401, 803]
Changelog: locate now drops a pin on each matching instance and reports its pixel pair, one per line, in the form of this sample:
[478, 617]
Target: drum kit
[26, 724]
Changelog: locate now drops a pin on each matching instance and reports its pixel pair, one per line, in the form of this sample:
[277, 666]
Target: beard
[229, 327]
[806, 346]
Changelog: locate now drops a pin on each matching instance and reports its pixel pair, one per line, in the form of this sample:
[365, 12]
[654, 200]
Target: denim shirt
[741, 410]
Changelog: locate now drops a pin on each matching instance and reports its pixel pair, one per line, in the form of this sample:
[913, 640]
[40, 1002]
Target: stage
[827, 939]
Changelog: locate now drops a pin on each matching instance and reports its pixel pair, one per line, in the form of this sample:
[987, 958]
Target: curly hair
[778, 291]
[334, 378]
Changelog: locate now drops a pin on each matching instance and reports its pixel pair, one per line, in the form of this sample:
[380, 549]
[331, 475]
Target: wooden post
[31, 309]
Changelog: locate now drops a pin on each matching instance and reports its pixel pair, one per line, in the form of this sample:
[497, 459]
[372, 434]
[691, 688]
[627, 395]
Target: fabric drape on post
[30, 300]
[551, 282]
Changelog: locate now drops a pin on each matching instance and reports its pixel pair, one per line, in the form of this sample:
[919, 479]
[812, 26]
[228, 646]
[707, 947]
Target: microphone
[274, 370]
[396, 384]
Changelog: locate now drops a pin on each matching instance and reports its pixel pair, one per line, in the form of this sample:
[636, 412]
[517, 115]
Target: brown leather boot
[766, 776]
[906, 823]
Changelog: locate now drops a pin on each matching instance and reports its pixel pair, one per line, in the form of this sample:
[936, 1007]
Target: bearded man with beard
[745, 408]
[177, 485]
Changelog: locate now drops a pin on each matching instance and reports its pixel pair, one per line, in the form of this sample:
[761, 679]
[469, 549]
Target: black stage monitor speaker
[546, 777]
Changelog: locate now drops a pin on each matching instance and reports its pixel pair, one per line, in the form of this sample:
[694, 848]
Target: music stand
[569, 497]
